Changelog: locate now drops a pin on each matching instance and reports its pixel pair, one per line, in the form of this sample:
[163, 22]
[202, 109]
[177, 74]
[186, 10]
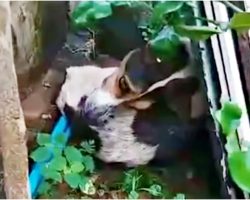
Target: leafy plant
[138, 180]
[239, 161]
[167, 23]
[179, 196]
[155, 190]
[72, 165]
[131, 184]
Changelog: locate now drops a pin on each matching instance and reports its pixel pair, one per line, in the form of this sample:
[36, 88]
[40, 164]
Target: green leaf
[73, 154]
[229, 117]
[239, 166]
[77, 167]
[196, 33]
[87, 186]
[132, 180]
[43, 139]
[166, 44]
[87, 13]
[179, 196]
[60, 139]
[232, 144]
[89, 163]
[121, 3]
[51, 174]
[163, 8]
[154, 190]
[41, 154]
[44, 188]
[240, 21]
[57, 151]
[72, 179]
[133, 195]
[58, 163]
[84, 180]
[88, 146]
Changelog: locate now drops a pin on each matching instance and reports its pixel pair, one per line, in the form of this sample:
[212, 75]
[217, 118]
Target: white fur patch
[120, 145]
[81, 81]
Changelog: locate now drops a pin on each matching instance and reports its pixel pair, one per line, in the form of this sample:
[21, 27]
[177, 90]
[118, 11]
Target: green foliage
[131, 181]
[196, 33]
[73, 154]
[89, 163]
[238, 161]
[179, 196]
[88, 146]
[46, 189]
[229, 117]
[58, 163]
[239, 166]
[240, 21]
[155, 190]
[41, 154]
[73, 180]
[164, 10]
[167, 20]
[76, 167]
[72, 165]
[137, 180]
[60, 140]
[166, 44]
[133, 195]
[87, 13]
[51, 174]
[43, 139]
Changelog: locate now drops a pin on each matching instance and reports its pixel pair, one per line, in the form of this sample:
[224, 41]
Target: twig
[230, 5]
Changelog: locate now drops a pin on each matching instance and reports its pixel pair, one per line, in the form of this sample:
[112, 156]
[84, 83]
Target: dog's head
[139, 74]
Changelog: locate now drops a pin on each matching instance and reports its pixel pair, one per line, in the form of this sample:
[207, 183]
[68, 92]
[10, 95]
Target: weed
[73, 165]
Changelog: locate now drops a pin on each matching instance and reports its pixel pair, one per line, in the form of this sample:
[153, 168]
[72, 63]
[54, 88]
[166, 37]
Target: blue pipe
[35, 177]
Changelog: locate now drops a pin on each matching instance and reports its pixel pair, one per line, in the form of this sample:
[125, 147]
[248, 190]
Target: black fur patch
[79, 128]
[159, 125]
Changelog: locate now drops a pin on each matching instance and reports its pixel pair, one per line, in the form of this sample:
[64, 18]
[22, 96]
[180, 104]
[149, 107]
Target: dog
[131, 111]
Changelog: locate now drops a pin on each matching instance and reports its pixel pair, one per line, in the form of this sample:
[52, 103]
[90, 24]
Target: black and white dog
[139, 112]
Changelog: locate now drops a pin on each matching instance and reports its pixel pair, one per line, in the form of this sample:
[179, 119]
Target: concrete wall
[25, 33]
[12, 125]
[38, 31]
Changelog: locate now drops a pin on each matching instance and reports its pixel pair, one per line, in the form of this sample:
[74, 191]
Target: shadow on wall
[54, 28]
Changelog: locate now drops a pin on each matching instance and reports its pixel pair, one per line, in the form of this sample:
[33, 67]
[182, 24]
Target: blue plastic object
[35, 177]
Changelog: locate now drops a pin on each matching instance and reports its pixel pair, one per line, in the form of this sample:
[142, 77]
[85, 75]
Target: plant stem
[232, 6]
[216, 23]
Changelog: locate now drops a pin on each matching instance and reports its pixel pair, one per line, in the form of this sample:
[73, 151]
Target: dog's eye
[123, 85]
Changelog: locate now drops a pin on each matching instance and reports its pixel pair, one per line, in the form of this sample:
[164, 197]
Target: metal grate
[227, 68]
